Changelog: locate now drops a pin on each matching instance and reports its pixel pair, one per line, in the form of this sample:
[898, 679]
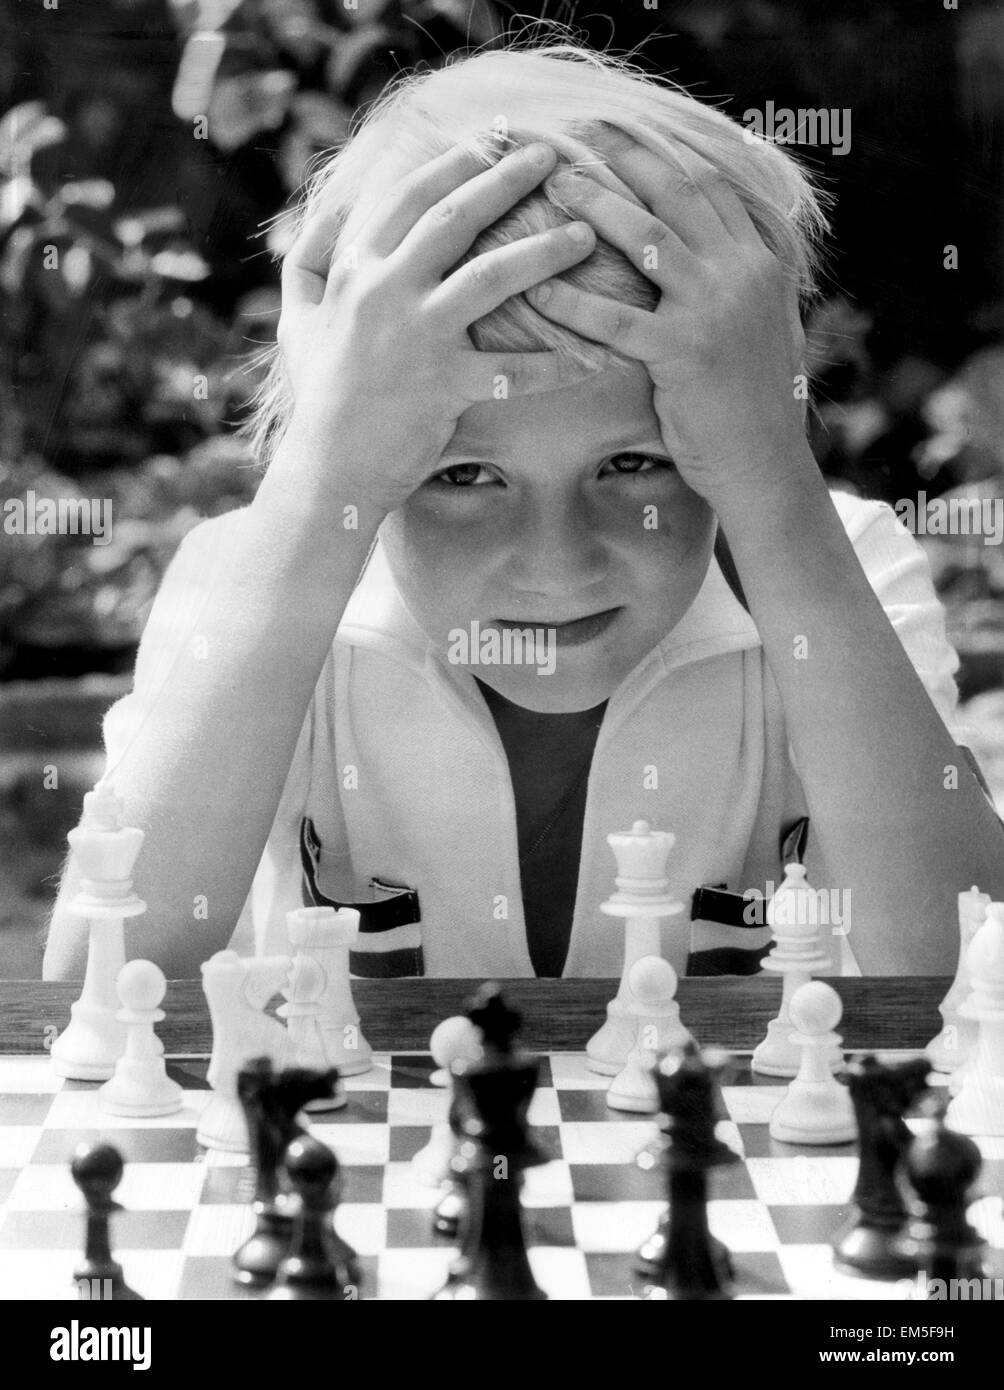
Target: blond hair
[558, 93]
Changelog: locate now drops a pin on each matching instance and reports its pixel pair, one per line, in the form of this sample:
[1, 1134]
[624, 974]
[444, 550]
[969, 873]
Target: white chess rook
[141, 1085]
[816, 1108]
[326, 934]
[954, 1044]
[237, 991]
[105, 851]
[978, 1108]
[797, 955]
[643, 899]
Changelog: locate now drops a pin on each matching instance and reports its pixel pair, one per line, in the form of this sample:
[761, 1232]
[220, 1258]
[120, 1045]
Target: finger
[413, 195]
[680, 193]
[632, 229]
[445, 232]
[721, 194]
[307, 263]
[633, 332]
[487, 376]
[487, 281]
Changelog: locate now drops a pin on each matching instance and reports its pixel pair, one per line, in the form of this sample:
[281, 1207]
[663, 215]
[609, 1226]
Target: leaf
[92, 193]
[242, 106]
[23, 130]
[350, 52]
[187, 266]
[135, 228]
[475, 20]
[18, 197]
[196, 75]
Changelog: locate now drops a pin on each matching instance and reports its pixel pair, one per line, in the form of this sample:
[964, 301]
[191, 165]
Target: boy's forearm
[204, 774]
[895, 825]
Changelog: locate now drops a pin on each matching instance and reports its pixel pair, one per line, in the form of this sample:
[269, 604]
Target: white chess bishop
[105, 850]
[643, 900]
[978, 1107]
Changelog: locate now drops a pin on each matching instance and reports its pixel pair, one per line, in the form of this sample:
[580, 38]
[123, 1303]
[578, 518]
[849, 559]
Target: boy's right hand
[375, 343]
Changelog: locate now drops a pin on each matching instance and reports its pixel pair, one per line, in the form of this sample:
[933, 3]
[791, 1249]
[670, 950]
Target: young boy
[540, 347]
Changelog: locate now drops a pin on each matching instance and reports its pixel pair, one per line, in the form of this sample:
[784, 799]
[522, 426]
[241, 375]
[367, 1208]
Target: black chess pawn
[319, 1264]
[97, 1171]
[881, 1093]
[942, 1167]
[493, 1097]
[682, 1260]
[271, 1102]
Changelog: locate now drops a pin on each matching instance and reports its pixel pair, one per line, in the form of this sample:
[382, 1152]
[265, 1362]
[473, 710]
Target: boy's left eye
[630, 464]
[464, 475]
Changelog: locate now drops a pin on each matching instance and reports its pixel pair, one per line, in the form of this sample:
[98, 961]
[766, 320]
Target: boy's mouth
[568, 634]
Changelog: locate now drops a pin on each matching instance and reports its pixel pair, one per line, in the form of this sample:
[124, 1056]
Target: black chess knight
[881, 1094]
[271, 1102]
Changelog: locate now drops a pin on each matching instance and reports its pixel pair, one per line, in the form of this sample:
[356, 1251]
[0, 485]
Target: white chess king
[105, 850]
[643, 898]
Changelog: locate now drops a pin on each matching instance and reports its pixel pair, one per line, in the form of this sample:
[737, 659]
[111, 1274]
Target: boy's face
[546, 511]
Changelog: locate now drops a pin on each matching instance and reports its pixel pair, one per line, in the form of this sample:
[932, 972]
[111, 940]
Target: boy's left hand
[725, 342]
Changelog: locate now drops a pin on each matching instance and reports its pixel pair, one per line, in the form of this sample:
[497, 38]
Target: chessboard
[185, 1210]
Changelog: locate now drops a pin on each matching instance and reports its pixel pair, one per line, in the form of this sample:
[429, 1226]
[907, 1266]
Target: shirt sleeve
[898, 572]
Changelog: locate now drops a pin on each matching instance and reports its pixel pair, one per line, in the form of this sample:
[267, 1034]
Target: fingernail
[542, 293]
[540, 154]
[579, 231]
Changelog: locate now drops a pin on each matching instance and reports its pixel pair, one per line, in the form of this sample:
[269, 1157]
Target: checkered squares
[586, 1210]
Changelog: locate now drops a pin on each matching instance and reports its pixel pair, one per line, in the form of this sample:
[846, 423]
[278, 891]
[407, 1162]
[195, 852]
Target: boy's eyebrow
[483, 452]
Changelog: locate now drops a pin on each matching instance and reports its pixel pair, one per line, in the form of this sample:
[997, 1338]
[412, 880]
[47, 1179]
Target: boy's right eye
[463, 475]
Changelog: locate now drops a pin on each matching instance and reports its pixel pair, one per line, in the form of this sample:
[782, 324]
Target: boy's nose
[557, 555]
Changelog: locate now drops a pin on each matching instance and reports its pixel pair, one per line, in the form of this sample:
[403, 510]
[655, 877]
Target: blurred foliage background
[124, 369]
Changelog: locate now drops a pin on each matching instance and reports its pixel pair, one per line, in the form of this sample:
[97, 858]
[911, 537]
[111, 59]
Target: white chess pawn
[978, 1108]
[816, 1108]
[326, 934]
[303, 989]
[797, 955]
[954, 1044]
[658, 1029]
[140, 1085]
[643, 899]
[453, 1040]
[105, 851]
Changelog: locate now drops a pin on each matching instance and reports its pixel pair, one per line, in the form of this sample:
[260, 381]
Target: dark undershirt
[549, 756]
